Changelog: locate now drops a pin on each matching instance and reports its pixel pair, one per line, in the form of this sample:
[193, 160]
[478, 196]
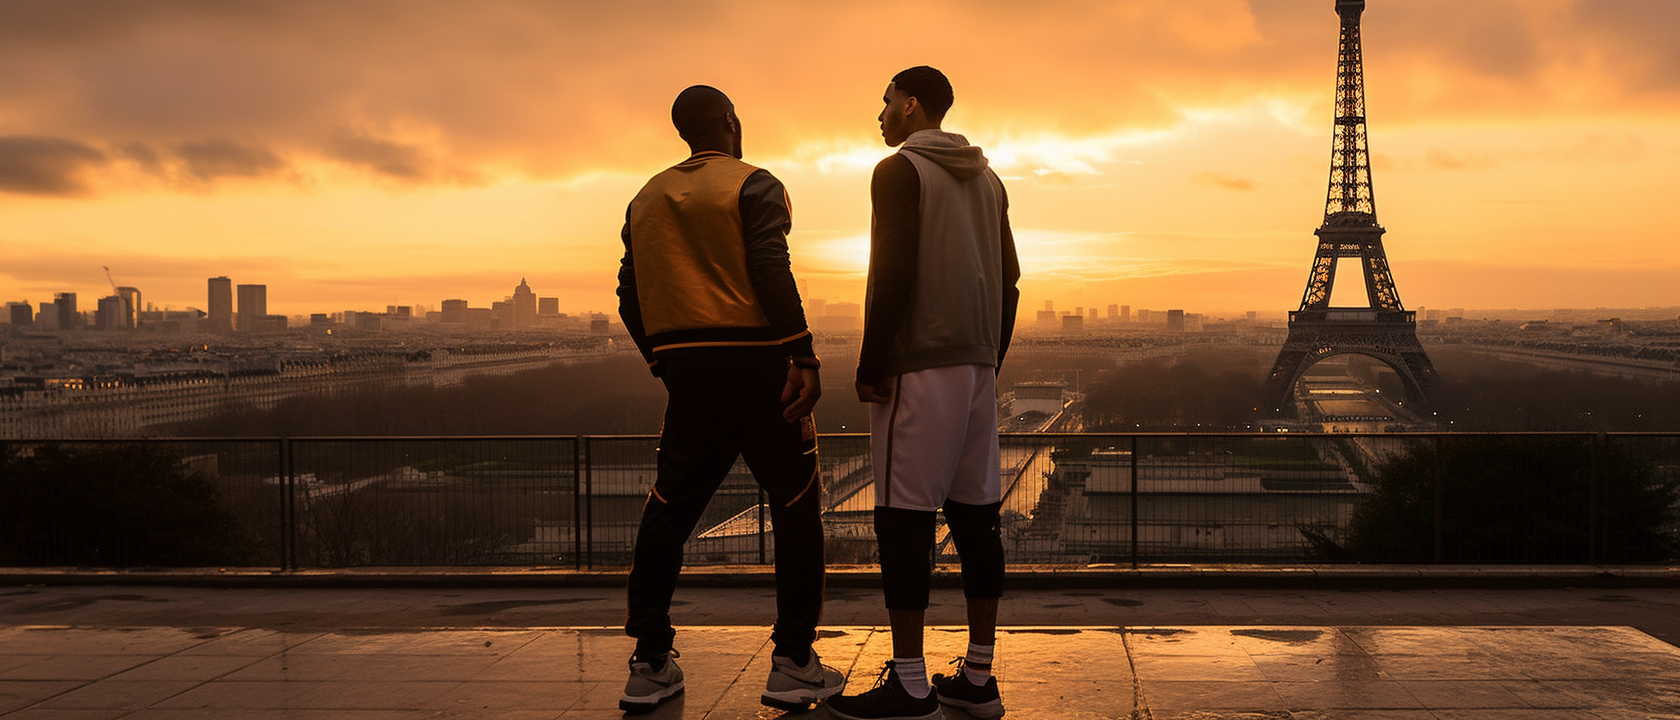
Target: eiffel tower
[1382, 329]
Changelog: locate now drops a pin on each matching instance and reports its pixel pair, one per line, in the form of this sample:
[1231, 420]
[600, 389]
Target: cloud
[555, 90]
[1225, 182]
[33, 165]
[1448, 160]
[208, 160]
[385, 157]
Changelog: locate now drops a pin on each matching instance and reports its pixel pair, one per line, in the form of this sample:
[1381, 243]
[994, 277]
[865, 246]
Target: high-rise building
[110, 314]
[1092, 316]
[1046, 320]
[253, 306]
[1073, 324]
[524, 306]
[1175, 321]
[20, 314]
[548, 306]
[1114, 312]
[1143, 316]
[47, 318]
[68, 316]
[130, 306]
[1125, 313]
[221, 305]
[455, 311]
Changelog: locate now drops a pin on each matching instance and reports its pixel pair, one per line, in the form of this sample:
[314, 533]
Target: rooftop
[138, 651]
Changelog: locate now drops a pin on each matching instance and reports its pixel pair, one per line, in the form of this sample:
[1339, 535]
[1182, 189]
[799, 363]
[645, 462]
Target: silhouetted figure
[706, 292]
[941, 308]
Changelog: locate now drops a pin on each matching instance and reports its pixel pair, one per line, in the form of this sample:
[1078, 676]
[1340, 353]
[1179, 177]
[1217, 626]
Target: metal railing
[575, 501]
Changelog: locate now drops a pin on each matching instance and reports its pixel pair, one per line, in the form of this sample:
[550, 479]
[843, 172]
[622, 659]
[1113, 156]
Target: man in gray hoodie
[940, 311]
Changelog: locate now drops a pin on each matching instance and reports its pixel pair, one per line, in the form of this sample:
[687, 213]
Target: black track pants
[724, 404]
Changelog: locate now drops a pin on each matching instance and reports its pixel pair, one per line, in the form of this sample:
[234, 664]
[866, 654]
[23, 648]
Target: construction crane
[113, 281]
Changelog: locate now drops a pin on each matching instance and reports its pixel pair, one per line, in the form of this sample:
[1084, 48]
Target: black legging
[905, 538]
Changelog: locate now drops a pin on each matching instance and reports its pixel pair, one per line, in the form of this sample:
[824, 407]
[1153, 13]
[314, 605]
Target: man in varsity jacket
[940, 312]
[706, 292]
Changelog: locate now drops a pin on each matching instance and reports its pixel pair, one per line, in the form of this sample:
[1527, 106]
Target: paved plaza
[91, 653]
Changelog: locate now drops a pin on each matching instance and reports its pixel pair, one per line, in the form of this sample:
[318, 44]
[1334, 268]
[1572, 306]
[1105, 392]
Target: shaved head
[700, 111]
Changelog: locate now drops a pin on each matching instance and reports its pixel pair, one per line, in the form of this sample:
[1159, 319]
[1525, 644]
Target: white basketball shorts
[937, 439]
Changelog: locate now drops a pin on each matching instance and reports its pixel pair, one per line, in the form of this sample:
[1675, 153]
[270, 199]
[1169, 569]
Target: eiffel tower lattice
[1382, 328]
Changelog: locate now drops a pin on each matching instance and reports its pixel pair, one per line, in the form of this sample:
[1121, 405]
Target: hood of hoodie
[950, 150]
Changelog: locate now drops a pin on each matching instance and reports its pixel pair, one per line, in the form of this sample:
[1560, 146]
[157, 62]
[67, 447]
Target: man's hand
[880, 394]
[801, 392]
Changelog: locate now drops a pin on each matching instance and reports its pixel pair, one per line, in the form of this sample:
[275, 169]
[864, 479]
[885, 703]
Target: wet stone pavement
[1051, 672]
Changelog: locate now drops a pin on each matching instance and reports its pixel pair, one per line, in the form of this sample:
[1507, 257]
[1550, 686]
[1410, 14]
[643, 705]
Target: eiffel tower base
[1386, 336]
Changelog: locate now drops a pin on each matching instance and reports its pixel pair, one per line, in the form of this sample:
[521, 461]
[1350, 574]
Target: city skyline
[1158, 154]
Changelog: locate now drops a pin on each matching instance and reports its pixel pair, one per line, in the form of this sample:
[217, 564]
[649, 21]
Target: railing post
[577, 502]
[1134, 493]
[288, 507]
[1440, 509]
[1599, 442]
[588, 507]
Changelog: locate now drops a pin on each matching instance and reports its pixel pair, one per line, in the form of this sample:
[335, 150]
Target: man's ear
[911, 105]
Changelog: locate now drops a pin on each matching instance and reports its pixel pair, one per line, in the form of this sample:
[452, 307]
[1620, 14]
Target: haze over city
[1158, 154]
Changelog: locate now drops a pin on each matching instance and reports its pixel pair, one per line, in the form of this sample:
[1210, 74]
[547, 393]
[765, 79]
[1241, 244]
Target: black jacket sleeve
[629, 305]
[894, 245]
[1011, 281]
[766, 220]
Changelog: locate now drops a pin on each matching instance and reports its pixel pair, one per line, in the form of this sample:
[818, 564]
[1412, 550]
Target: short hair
[699, 110]
[929, 87]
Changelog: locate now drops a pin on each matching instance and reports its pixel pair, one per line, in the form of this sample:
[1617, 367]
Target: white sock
[912, 674]
[977, 664]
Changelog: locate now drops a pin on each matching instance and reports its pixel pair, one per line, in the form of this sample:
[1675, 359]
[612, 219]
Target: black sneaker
[886, 701]
[957, 690]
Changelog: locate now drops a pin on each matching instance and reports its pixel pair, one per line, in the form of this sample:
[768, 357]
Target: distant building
[1113, 312]
[455, 311]
[253, 304]
[110, 314]
[1143, 316]
[1073, 324]
[221, 305]
[1047, 320]
[524, 307]
[1253, 317]
[1125, 313]
[47, 318]
[1175, 321]
[599, 324]
[816, 307]
[68, 316]
[845, 309]
[548, 306]
[20, 314]
[1037, 396]
[1092, 317]
[130, 298]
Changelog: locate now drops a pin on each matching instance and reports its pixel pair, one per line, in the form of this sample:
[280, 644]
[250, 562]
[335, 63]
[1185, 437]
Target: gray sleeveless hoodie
[955, 312]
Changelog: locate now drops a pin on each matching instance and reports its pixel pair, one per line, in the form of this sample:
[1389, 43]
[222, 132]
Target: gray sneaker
[794, 688]
[647, 688]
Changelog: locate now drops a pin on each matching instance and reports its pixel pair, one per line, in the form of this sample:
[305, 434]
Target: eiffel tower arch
[1382, 328]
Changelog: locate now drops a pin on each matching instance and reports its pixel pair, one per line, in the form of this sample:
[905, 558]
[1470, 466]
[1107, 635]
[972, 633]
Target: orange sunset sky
[1158, 153]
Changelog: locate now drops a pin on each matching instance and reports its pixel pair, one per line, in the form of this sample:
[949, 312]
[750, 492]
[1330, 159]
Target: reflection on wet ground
[1192, 671]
